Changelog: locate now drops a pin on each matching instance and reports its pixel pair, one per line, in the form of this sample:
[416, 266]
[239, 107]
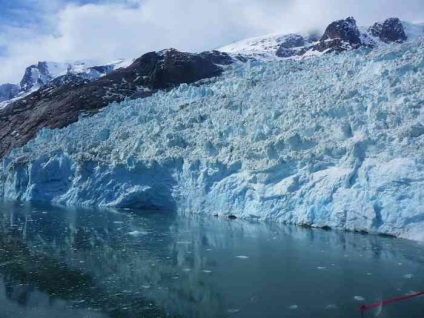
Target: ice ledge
[378, 197]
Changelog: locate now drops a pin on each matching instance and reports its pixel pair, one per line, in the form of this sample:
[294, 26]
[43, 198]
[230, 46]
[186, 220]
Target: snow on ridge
[57, 69]
[266, 46]
[336, 141]
[260, 44]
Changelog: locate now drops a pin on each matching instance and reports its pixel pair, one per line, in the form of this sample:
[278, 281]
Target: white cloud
[129, 28]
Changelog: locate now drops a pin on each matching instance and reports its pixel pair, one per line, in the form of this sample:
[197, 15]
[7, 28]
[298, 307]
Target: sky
[104, 30]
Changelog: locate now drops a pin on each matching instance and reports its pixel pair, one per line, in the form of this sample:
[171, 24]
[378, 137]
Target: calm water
[57, 262]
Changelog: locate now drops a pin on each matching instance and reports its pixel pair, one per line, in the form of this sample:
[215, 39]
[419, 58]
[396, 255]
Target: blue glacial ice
[333, 141]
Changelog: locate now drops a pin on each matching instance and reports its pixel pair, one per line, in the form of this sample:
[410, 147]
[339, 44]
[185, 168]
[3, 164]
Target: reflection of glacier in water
[58, 262]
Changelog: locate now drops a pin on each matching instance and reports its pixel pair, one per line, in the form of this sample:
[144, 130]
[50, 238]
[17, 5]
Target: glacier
[335, 141]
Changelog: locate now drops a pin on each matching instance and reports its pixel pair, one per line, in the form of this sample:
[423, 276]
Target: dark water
[57, 262]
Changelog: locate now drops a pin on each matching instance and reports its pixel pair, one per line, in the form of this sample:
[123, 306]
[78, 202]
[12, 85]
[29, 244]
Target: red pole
[364, 308]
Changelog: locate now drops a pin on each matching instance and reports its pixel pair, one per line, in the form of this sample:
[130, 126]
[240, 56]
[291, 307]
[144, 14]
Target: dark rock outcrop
[343, 35]
[391, 30]
[345, 30]
[292, 45]
[169, 68]
[56, 106]
[340, 36]
[8, 91]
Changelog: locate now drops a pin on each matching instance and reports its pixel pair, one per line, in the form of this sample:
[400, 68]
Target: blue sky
[36, 14]
[104, 30]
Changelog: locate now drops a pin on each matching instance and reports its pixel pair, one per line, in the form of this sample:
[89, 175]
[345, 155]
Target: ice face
[332, 141]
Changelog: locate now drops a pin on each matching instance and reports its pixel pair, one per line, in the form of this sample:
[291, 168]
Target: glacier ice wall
[331, 141]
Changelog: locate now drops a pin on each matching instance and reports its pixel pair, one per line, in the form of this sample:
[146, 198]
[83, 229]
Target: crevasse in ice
[331, 141]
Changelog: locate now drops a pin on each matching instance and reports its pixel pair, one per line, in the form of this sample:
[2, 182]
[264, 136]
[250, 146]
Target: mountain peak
[339, 36]
[391, 30]
[345, 30]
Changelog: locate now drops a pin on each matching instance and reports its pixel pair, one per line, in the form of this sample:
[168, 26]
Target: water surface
[57, 262]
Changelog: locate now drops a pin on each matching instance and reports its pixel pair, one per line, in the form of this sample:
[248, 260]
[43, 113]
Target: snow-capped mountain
[41, 74]
[332, 141]
[339, 36]
[45, 73]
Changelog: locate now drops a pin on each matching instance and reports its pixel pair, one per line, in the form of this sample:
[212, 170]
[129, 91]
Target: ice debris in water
[233, 310]
[331, 141]
[359, 298]
[331, 306]
[293, 307]
[137, 233]
[242, 257]
[408, 276]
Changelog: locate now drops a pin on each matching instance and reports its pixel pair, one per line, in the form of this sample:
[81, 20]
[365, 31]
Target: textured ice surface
[332, 141]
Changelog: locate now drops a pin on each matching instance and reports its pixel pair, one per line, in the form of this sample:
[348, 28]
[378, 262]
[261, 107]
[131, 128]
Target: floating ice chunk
[137, 233]
[293, 307]
[408, 276]
[233, 310]
[359, 298]
[321, 268]
[207, 271]
[331, 306]
[411, 292]
[242, 257]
